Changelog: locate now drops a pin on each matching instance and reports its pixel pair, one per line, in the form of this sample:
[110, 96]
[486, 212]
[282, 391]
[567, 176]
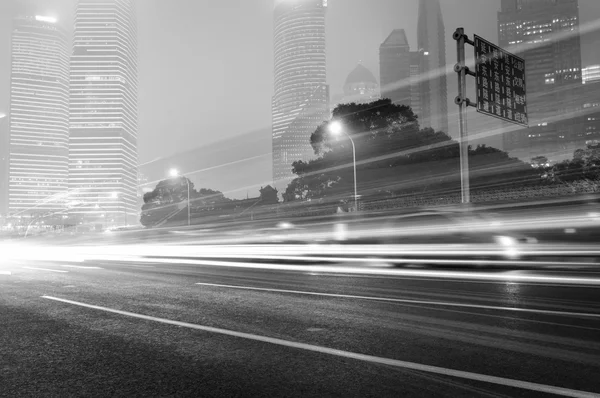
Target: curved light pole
[336, 128]
[175, 173]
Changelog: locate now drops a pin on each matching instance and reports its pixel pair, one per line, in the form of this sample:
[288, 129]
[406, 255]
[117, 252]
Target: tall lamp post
[336, 128]
[175, 173]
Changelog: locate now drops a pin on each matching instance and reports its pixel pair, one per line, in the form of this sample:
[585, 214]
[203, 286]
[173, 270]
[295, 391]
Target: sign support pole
[463, 102]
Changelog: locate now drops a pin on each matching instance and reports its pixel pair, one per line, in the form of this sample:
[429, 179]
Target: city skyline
[377, 20]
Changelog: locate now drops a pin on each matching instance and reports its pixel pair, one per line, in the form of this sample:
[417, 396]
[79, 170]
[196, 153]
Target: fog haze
[206, 70]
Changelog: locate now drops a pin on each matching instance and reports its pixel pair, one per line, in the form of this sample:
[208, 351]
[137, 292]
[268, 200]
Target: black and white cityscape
[299, 198]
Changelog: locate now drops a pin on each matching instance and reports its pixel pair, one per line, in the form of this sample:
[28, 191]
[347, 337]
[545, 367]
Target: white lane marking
[410, 301]
[135, 266]
[46, 269]
[5, 273]
[347, 354]
[436, 274]
[80, 267]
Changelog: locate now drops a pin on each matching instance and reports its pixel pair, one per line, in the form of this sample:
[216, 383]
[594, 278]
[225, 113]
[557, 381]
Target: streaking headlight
[510, 245]
[285, 225]
[506, 241]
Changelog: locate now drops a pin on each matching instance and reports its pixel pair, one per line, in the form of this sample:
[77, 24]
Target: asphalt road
[127, 328]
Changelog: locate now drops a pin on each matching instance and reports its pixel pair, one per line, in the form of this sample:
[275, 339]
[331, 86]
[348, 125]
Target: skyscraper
[39, 116]
[401, 72]
[301, 99]
[416, 82]
[103, 112]
[431, 39]
[546, 34]
[394, 68]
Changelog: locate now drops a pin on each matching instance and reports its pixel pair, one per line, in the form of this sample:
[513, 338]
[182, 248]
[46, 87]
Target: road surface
[131, 328]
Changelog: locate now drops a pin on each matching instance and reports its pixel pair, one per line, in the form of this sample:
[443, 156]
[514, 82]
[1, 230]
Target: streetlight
[175, 173]
[336, 128]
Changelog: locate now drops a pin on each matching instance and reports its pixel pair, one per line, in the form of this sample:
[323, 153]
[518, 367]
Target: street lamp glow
[335, 128]
[174, 173]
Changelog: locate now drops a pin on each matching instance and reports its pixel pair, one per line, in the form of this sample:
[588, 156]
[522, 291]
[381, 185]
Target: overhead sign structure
[501, 88]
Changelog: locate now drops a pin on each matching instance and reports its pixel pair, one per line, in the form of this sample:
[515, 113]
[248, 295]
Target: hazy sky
[206, 67]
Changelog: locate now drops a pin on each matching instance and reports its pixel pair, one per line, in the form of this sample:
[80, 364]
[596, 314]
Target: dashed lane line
[566, 392]
[411, 301]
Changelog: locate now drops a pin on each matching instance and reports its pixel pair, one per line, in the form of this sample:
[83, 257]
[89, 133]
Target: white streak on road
[5, 273]
[419, 273]
[410, 301]
[80, 267]
[347, 354]
[46, 269]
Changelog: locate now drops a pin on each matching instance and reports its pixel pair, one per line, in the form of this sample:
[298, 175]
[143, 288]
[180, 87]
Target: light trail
[413, 273]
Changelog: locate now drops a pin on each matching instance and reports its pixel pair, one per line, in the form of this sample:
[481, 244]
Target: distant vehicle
[435, 233]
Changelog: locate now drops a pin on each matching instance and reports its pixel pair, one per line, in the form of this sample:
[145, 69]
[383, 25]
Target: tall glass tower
[103, 162]
[301, 98]
[431, 39]
[39, 112]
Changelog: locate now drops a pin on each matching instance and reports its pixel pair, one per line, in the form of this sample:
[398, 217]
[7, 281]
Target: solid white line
[80, 267]
[347, 354]
[46, 269]
[460, 275]
[410, 301]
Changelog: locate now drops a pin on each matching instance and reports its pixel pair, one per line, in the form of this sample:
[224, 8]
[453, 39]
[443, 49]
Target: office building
[431, 39]
[394, 68]
[416, 82]
[301, 99]
[103, 113]
[546, 34]
[360, 87]
[38, 118]
[401, 72]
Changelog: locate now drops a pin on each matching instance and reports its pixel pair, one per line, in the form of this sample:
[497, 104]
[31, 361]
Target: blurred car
[443, 234]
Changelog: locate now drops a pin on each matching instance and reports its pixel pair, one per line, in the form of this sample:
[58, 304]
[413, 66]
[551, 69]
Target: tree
[585, 165]
[589, 158]
[207, 196]
[371, 125]
[393, 155]
[169, 193]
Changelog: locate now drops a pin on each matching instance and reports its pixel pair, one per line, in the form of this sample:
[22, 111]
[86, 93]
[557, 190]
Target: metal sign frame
[501, 87]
